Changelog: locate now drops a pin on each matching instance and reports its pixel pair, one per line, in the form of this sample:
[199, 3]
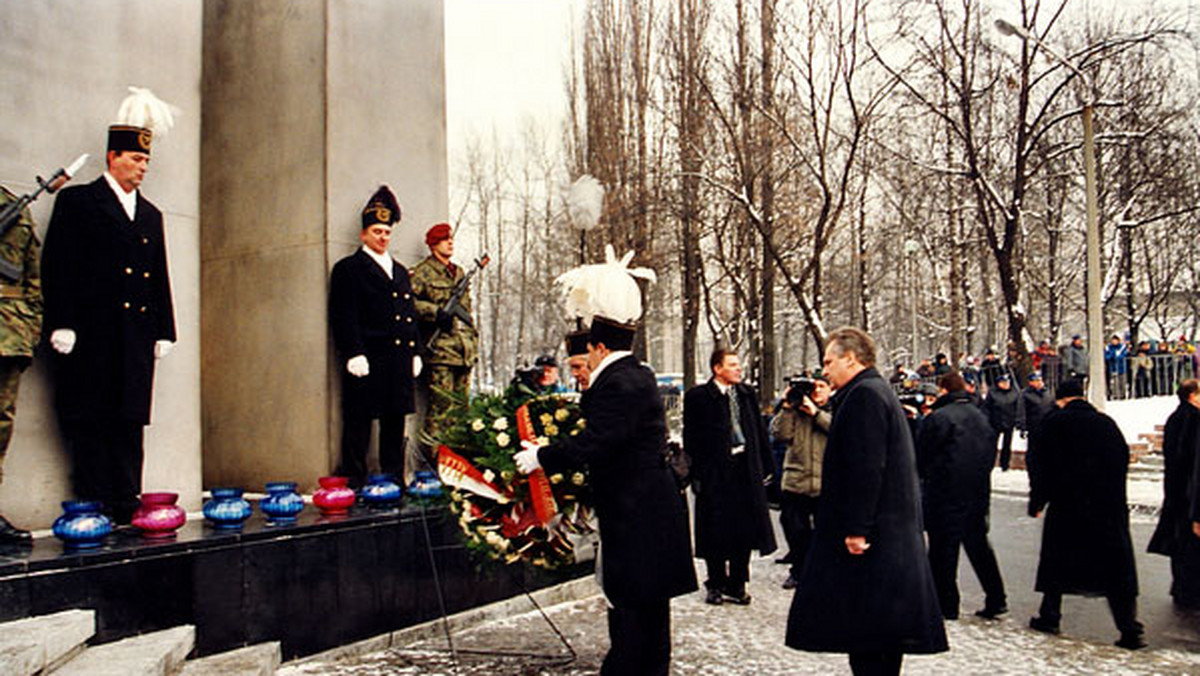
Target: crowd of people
[1132, 369]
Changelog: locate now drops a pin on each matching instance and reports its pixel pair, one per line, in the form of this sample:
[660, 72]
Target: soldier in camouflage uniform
[454, 350]
[20, 329]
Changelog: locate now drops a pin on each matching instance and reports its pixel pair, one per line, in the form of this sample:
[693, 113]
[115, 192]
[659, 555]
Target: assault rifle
[11, 273]
[453, 306]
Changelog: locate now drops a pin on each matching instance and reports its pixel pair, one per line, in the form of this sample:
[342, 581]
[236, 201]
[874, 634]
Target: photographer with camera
[802, 424]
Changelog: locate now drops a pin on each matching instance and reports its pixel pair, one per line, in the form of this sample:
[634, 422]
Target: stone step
[160, 653]
[31, 645]
[255, 660]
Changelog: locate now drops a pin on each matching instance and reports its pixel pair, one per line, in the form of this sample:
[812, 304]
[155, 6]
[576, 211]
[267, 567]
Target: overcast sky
[504, 62]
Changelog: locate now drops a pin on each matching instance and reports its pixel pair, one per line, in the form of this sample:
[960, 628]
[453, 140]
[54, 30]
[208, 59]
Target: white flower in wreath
[577, 478]
[488, 475]
[551, 430]
[500, 424]
[581, 423]
[546, 418]
[542, 441]
[502, 439]
[477, 425]
[507, 475]
[562, 414]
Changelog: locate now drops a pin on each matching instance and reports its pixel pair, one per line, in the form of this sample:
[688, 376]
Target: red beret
[437, 233]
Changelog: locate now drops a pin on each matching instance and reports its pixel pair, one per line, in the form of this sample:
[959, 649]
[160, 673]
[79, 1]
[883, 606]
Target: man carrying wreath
[645, 547]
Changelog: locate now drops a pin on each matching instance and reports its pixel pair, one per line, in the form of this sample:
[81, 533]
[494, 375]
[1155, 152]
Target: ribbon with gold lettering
[539, 486]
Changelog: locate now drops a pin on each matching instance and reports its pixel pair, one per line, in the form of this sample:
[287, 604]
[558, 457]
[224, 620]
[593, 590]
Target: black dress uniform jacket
[1077, 475]
[955, 454]
[884, 599]
[731, 501]
[105, 277]
[646, 550]
[374, 316]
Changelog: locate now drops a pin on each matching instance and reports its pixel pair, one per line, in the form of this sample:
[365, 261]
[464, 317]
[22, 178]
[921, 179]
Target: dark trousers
[640, 640]
[943, 563]
[107, 458]
[729, 574]
[1006, 436]
[797, 517]
[356, 437]
[1123, 607]
[876, 664]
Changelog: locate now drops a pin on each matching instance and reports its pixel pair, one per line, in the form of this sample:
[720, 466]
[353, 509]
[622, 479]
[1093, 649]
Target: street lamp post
[1095, 311]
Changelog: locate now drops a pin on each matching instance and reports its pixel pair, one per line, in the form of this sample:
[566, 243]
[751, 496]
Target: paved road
[1017, 540]
[749, 640]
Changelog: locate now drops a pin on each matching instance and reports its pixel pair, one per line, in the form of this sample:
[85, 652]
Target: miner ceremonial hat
[381, 209]
[437, 233]
[608, 294]
[577, 342]
[140, 117]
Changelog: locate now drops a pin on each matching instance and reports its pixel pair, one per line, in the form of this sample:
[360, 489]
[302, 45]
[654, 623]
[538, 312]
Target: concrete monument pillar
[307, 108]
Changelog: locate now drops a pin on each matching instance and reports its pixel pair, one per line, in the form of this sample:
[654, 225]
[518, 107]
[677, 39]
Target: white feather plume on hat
[143, 109]
[585, 202]
[605, 289]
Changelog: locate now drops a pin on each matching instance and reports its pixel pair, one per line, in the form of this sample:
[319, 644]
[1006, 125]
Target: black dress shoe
[1131, 641]
[1036, 623]
[991, 612]
[10, 534]
[713, 597]
[739, 598]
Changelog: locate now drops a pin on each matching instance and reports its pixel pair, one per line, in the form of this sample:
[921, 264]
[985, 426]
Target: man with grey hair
[867, 589]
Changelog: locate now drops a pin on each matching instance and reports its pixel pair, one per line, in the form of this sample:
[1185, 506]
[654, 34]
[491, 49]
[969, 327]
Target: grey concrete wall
[307, 108]
[65, 66]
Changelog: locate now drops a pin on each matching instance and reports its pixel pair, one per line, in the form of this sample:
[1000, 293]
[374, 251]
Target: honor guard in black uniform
[109, 312]
[374, 326]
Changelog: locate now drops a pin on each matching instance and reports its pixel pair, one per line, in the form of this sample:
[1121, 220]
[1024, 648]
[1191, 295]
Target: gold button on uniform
[397, 341]
[395, 295]
[142, 309]
[146, 275]
[409, 319]
[129, 271]
[126, 305]
[412, 343]
[397, 317]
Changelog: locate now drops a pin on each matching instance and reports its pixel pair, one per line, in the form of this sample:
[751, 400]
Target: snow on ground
[1136, 416]
[748, 640]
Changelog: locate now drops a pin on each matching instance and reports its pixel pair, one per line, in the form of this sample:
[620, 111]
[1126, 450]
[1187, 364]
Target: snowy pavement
[749, 640]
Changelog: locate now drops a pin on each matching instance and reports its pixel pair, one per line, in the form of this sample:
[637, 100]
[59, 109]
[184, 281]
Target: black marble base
[314, 585]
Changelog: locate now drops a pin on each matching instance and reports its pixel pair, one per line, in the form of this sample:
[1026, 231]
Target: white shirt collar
[721, 386]
[128, 200]
[383, 259]
[612, 356]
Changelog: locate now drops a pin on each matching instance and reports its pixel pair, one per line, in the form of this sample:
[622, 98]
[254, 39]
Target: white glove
[358, 367]
[63, 340]
[527, 460]
[162, 348]
[417, 365]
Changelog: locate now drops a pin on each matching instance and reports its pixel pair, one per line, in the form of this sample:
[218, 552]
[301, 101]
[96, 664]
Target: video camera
[914, 399]
[800, 387]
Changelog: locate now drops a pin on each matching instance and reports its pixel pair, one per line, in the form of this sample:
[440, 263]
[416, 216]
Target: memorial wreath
[505, 516]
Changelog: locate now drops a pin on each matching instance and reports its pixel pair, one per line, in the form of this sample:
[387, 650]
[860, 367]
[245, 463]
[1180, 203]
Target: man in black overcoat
[1176, 535]
[1001, 409]
[866, 588]
[645, 547]
[726, 438]
[374, 326]
[955, 454]
[109, 314]
[1077, 476]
